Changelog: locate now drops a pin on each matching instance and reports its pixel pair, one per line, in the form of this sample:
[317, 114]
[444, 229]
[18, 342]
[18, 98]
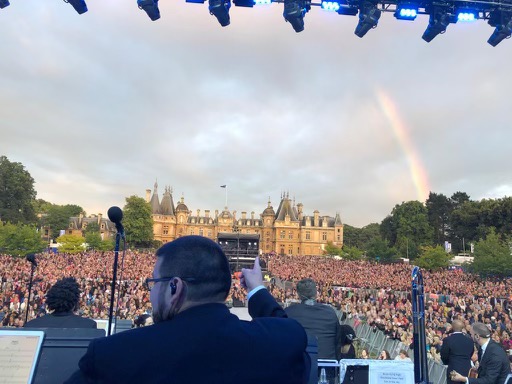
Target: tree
[352, 253]
[360, 237]
[138, 222]
[331, 249]
[492, 256]
[379, 250]
[71, 243]
[439, 210]
[433, 258]
[16, 193]
[93, 240]
[409, 226]
[20, 239]
[57, 217]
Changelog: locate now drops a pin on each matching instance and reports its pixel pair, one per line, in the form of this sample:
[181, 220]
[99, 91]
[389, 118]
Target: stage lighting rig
[4, 3]
[150, 7]
[220, 9]
[79, 5]
[467, 15]
[294, 12]
[369, 16]
[439, 20]
[502, 20]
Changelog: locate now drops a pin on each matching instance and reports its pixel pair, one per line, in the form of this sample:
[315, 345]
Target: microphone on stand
[115, 215]
[31, 258]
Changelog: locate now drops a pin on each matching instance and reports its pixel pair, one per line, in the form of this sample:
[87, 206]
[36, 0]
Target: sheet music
[18, 357]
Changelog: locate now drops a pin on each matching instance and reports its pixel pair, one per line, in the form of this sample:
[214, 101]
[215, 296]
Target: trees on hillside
[16, 193]
[433, 258]
[493, 256]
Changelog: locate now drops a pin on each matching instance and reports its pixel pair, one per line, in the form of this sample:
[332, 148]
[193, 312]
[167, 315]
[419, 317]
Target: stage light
[439, 20]
[348, 11]
[4, 3]
[467, 15]
[150, 7]
[220, 9]
[369, 16]
[332, 6]
[244, 3]
[503, 23]
[294, 12]
[406, 12]
[79, 5]
[262, 2]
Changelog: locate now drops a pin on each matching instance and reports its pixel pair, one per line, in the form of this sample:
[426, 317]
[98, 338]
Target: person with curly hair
[62, 301]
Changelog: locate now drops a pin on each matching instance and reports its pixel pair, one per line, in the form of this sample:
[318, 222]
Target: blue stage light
[467, 16]
[332, 6]
[79, 5]
[406, 12]
[4, 3]
[262, 2]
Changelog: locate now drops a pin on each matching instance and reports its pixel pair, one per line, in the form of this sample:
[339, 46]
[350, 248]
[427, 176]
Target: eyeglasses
[150, 283]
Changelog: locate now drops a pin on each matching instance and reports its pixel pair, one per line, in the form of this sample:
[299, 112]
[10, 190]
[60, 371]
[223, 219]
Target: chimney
[207, 213]
[148, 195]
[234, 215]
[244, 215]
[317, 218]
[198, 212]
[216, 213]
[252, 215]
[99, 218]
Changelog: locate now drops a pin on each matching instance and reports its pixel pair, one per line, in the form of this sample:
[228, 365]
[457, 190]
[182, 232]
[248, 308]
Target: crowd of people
[378, 294]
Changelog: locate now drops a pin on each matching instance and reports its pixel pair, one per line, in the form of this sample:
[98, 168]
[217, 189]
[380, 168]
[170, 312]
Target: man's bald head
[457, 326]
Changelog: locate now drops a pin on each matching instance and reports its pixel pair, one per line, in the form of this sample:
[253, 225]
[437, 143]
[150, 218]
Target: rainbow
[416, 168]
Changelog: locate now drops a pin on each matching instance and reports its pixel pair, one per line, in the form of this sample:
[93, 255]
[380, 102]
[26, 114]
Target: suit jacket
[494, 365]
[203, 344]
[61, 320]
[456, 352]
[320, 321]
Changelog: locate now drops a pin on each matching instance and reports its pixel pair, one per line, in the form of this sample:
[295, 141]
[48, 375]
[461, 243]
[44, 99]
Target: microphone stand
[32, 270]
[120, 233]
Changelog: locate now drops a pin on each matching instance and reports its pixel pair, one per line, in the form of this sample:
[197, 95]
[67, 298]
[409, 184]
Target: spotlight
[330, 5]
[4, 3]
[244, 3]
[348, 11]
[262, 2]
[150, 7]
[503, 23]
[294, 12]
[369, 16]
[220, 9]
[79, 5]
[406, 12]
[439, 20]
[467, 15]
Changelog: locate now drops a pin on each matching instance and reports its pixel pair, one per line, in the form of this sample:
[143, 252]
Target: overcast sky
[100, 105]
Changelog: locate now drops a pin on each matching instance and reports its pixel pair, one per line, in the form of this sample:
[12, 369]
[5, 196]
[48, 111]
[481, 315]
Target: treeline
[419, 231]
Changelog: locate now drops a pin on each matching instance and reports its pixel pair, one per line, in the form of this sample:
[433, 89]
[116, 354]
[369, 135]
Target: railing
[375, 341]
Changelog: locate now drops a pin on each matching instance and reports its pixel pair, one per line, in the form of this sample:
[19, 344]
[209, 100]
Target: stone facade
[287, 231]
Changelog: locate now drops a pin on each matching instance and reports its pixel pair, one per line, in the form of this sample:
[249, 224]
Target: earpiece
[173, 287]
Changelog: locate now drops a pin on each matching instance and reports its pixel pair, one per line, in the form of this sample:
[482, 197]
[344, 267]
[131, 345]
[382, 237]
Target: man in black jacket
[319, 320]
[62, 300]
[195, 339]
[493, 362]
[457, 350]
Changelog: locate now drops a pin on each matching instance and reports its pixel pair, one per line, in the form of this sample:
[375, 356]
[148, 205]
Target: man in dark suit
[62, 300]
[195, 339]
[457, 350]
[493, 362]
[319, 320]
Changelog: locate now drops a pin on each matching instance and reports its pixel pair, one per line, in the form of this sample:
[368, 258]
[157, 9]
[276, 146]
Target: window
[324, 236]
[290, 250]
[290, 235]
[268, 246]
[282, 235]
[209, 233]
[181, 219]
[166, 230]
[339, 238]
[201, 232]
[308, 235]
[102, 225]
[191, 231]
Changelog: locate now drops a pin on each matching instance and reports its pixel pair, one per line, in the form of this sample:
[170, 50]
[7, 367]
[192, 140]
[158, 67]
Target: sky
[99, 106]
